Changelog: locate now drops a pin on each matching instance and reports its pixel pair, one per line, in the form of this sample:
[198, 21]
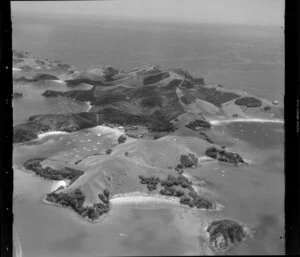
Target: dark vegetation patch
[81, 95]
[223, 155]
[151, 182]
[121, 139]
[206, 137]
[248, 101]
[267, 108]
[174, 83]
[161, 126]
[194, 200]
[187, 84]
[178, 186]
[151, 102]
[17, 95]
[215, 96]
[108, 151]
[189, 161]
[75, 199]
[39, 77]
[198, 124]
[76, 82]
[224, 234]
[155, 78]
[52, 174]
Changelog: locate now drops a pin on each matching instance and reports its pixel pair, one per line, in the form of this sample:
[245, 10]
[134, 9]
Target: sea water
[236, 56]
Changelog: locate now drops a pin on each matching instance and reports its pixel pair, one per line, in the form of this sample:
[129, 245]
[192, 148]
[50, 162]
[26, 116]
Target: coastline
[254, 120]
[51, 133]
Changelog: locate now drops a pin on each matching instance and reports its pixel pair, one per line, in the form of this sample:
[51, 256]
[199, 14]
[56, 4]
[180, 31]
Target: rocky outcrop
[198, 124]
[49, 173]
[248, 101]
[224, 156]
[225, 234]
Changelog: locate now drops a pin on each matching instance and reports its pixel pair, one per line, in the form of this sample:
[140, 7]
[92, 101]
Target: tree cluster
[223, 155]
[75, 200]
[248, 101]
[197, 124]
[189, 160]
[151, 182]
[49, 173]
[194, 200]
[121, 139]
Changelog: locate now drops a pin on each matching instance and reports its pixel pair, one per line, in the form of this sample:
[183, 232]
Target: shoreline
[51, 133]
[140, 197]
[254, 120]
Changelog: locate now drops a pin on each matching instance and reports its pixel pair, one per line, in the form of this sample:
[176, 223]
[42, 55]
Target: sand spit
[51, 133]
[258, 120]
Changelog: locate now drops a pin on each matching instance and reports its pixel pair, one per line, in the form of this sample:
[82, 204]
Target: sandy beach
[218, 122]
[51, 133]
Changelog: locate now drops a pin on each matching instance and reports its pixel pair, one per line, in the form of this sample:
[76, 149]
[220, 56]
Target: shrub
[189, 160]
[121, 139]
[267, 108]
[108, 151]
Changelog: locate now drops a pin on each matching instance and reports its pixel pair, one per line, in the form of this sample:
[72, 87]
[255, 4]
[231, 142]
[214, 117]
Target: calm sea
[241, 57]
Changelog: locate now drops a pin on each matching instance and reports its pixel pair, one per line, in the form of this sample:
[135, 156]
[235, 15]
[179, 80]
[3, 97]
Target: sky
[251, 12]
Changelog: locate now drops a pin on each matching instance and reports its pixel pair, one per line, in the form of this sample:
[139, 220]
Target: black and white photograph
[148, 128]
